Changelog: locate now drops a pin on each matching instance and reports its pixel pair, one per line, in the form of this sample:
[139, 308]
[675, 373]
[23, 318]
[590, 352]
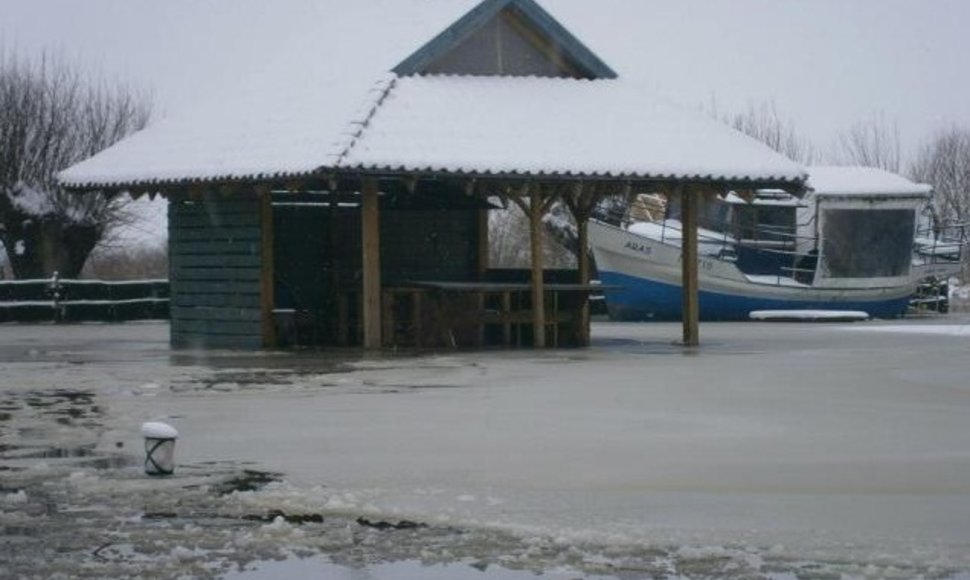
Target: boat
[858, 240]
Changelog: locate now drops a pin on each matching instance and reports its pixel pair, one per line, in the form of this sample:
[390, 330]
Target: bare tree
[871, 143]
[765, 124]
[944, 163]
[113, 263]
[51, 118]
[509, 245]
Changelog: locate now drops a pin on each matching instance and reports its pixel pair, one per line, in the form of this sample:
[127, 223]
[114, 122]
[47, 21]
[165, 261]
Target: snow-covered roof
[286, 131]
[554, 126]
[466, 125]
[290, 115]
[864, 181]
[338, 110]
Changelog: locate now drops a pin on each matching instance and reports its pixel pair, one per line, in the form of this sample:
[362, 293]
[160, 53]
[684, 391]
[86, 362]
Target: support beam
[582, 259]
[581, 202]
[483, 244]
[481, 265]
[371, 263]
[538, 286]
[338, 330]
[267, 271]
[689, 266]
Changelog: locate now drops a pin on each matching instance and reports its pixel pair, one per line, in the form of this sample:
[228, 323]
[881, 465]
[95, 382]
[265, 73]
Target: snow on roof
[554, 126]
[290, 115]
[846, 180]
[288, 131]
[321, 109]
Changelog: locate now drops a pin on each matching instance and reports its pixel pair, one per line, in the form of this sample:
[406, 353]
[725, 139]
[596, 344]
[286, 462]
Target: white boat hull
[643, 282]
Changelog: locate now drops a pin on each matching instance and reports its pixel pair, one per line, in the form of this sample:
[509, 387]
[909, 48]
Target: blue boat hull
[631, 298]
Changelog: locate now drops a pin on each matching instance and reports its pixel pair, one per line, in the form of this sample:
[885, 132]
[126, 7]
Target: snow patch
[809, 315]
[157, 430]
[19, 497]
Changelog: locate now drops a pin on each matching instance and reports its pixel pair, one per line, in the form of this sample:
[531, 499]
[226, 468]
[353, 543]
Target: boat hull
[642, 282]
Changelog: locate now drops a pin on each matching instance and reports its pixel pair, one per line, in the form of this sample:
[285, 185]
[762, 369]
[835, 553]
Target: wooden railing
[55, 299]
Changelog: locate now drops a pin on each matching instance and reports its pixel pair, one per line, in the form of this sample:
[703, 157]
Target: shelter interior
[434, 282]
[436, 286]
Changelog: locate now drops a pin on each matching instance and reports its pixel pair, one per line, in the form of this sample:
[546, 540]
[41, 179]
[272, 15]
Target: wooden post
[387, 319]
[482, 265]
[267, 270]
[689, 266]
[371, 263]
[335, 315]
[538, 289]
[582, 259]
[581, 204]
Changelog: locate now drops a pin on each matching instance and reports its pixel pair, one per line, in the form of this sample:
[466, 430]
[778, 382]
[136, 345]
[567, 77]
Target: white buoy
[159, 447]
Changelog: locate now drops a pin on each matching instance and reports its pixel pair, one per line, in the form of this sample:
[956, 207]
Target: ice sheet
[768, 448]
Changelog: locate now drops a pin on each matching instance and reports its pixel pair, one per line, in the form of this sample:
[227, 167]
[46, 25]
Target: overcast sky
[825, 64]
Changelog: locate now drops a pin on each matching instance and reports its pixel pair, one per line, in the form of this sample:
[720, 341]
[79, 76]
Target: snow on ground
[770, 451]
[821, 315]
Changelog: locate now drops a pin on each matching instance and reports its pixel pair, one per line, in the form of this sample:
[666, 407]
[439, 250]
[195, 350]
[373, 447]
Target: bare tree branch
[944, 163]
[763, 123]
[50, 118]
[871, 143]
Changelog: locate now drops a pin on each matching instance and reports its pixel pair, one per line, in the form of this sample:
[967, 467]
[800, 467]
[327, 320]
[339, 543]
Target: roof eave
[792, 185]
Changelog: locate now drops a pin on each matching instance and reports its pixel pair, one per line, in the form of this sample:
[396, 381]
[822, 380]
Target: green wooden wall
[215, 246]
[215, 264]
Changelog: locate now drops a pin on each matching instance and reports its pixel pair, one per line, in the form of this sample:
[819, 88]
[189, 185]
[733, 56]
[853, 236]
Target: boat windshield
[765, 222]
[849, 237]
[713, 214]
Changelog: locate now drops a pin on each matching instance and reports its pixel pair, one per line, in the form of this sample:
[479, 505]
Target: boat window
[713, 214]
[859, 243]
[765, 222]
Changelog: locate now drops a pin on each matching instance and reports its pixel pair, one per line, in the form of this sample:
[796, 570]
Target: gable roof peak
[535, 26]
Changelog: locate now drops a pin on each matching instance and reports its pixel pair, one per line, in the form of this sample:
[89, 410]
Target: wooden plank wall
[215, 256]
[429, 245]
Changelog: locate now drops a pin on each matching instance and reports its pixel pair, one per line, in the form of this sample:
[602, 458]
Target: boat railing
[767, 238]
[941, 244]
[709, 235]
[780, 239]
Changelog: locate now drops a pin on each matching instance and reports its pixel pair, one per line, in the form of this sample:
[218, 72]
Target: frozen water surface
[776, 450]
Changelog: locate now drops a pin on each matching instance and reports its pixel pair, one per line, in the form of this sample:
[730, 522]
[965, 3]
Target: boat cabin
[851, 243]
[825, 236]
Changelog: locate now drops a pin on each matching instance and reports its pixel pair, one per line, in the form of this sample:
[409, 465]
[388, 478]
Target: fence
[58, 300]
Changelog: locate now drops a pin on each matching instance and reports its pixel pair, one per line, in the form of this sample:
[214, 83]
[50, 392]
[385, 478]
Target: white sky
[826, 64]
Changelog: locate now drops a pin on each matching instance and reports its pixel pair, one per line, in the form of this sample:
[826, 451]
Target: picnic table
[455, 313]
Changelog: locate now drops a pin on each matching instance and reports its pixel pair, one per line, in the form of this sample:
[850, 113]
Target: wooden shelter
[377, 221]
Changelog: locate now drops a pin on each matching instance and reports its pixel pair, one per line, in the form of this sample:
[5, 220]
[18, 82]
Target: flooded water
[772, 451]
